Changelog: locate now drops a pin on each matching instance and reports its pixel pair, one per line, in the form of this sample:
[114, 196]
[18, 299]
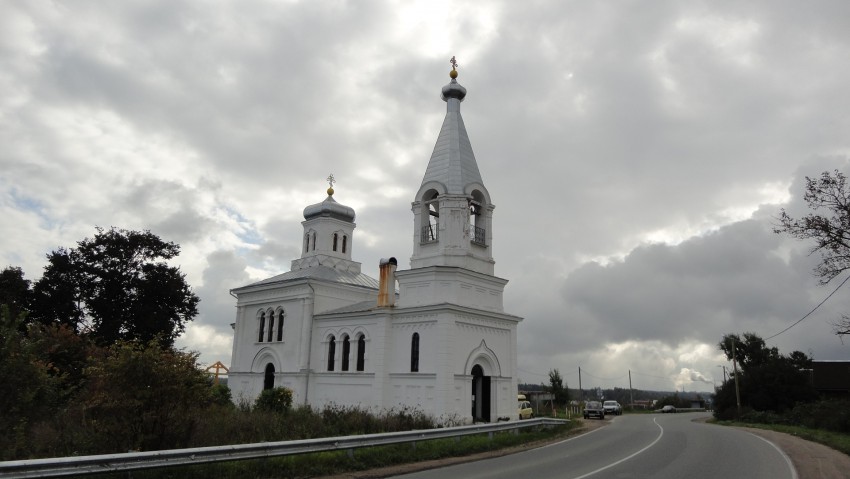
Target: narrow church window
[344, 241]
[314, 241]
[262, 326]
[414, 353]
[271, 326]
[307, 243]
[335, 240]
[280, 325]
[346, 349]
[268, 379]
[361, 352]
[331, 353]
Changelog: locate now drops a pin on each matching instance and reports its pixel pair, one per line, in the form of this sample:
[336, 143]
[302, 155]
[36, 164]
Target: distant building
[831, 378]
[334, 335]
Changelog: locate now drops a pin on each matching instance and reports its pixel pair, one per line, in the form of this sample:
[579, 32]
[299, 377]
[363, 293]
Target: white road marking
[782, 453]
[660, 434]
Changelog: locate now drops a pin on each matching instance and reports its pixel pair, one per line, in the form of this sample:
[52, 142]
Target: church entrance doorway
[268, 380]
[480, 395]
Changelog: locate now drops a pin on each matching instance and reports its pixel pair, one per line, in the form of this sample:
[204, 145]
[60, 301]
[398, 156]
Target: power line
[604, 379]
[810, 312]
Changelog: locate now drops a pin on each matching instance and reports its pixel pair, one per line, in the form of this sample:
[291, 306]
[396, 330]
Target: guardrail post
[350, 453]
[490, 435]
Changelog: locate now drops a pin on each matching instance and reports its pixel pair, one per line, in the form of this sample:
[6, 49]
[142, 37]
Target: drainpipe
[309, 342]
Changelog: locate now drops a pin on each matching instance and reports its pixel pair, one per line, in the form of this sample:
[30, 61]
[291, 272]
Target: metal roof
[353, 308]
[452, 162]
[324, 273]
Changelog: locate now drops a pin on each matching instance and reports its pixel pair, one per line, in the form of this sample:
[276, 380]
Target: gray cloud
[635, 153]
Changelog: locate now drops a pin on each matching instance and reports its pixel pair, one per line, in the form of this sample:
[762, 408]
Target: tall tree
[15, 291]
[117, 286]
[830, 230]
[557, 388]
[769, 381]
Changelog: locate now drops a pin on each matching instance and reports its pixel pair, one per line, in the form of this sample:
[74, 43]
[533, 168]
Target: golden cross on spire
[454, 63]
[331, 182]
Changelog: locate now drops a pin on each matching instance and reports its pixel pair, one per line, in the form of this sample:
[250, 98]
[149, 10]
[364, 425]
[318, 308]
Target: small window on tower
[336, 237]
[344, 241]
[414, 353]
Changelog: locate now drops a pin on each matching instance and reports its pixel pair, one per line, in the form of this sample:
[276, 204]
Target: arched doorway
[480, 395]
[268, 380]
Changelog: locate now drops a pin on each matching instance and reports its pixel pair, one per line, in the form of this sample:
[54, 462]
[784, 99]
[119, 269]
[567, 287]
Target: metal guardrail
[71, 466]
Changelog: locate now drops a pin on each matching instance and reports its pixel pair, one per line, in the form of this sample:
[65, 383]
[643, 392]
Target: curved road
[655, 446]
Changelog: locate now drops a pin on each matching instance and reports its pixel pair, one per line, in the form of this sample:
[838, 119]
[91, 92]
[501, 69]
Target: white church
[433, 337]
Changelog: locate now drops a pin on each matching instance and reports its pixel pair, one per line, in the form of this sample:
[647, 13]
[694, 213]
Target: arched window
[331, 353]
[336, 238]
[361, 352]
[280, 325]
[346, 349]
[314, 240]
[262, 326]
[344, 241]
[271, 326]
[414, 353]
[268, 379]
[307, 242]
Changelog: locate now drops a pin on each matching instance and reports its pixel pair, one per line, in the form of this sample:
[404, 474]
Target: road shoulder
[586, 426]
[812, 460]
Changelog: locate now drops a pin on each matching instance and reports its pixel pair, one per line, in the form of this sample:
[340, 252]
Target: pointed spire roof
[453, 163]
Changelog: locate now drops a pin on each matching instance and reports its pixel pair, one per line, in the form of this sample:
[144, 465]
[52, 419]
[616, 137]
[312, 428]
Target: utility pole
[631, 393]
[580, 390]
[737, 390]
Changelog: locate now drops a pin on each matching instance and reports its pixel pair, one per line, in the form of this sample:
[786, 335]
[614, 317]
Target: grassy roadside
[347, 461]
[835, 440]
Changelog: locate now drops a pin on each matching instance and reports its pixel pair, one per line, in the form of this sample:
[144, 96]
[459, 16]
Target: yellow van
[523, 408]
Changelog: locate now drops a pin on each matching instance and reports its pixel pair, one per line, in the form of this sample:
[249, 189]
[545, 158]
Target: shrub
[278, 400]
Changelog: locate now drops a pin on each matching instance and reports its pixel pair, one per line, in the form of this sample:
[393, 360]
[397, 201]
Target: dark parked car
[594, 409]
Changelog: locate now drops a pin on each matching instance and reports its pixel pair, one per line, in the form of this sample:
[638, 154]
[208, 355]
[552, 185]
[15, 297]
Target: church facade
[434, 337]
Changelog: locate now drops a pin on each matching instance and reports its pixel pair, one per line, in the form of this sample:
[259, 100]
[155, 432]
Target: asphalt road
[658, 446]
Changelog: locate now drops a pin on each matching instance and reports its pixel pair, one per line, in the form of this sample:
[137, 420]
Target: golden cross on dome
[454, 63]
[331, 180]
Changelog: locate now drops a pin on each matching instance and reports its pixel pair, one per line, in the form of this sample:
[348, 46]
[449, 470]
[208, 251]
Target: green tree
[143, 396]
[557, 387]
[768, 380]
[15, 291]
[26, 390]
[116, 286]
[830, 231]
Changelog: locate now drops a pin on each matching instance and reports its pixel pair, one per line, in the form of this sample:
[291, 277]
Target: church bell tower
[452, 258]
[453, 215]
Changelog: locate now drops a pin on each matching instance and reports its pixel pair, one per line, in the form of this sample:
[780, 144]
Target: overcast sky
[637, 153]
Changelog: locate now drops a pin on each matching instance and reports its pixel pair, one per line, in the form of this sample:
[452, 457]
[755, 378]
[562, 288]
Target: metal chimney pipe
[386, 289]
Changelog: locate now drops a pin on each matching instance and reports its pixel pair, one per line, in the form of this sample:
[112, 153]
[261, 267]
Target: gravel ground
[812, 460]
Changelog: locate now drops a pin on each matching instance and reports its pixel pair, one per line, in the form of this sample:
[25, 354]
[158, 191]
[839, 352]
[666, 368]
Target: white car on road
[612, 407]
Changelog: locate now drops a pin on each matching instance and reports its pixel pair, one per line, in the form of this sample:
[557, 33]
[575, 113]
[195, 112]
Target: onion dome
[329, 209]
